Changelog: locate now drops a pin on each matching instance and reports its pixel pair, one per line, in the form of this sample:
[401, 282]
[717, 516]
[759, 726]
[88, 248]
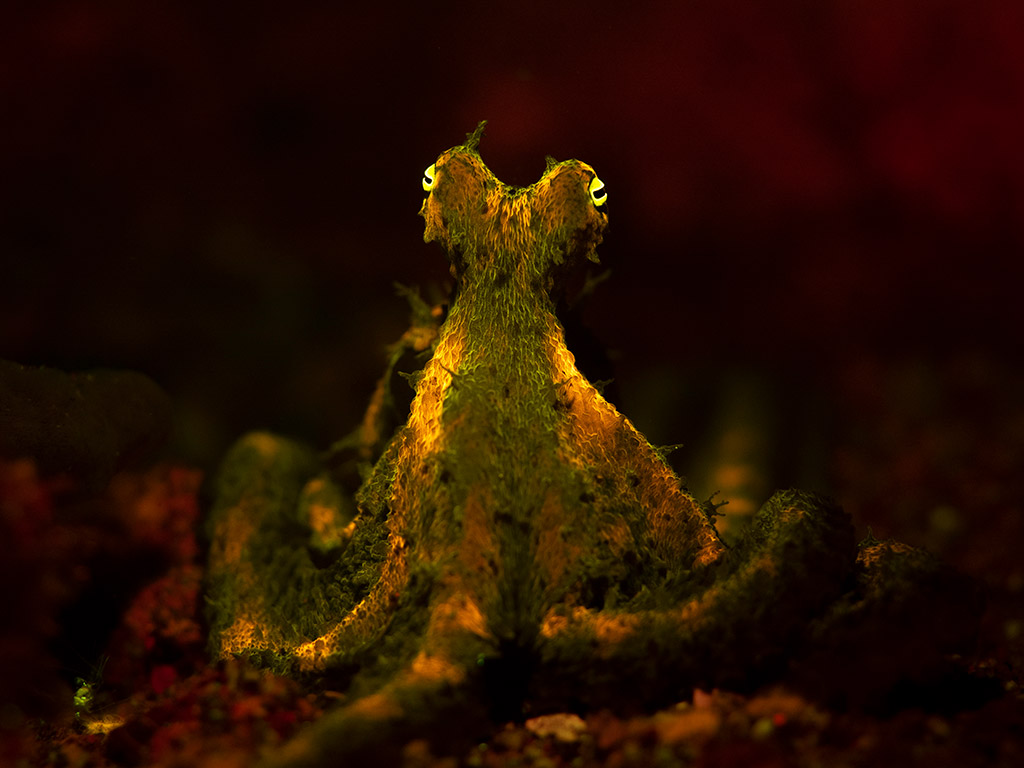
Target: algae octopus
[517, 543]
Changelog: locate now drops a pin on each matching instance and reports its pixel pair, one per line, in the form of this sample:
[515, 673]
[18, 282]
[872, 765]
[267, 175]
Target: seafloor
[104, 663]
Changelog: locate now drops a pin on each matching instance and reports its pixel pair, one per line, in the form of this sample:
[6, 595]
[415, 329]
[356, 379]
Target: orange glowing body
[517, 539]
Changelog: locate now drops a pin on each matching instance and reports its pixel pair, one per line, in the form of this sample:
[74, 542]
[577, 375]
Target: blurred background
[824, 196]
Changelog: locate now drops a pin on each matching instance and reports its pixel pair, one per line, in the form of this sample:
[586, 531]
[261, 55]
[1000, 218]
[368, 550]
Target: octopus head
[489, 228]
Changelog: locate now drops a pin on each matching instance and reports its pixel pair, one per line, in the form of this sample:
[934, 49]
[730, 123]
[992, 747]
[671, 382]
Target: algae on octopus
[517, 541]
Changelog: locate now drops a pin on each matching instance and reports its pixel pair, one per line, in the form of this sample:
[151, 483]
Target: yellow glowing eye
[428, 179]
[596, 194]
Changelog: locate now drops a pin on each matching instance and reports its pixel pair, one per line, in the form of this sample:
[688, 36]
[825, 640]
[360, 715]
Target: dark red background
[221, 196]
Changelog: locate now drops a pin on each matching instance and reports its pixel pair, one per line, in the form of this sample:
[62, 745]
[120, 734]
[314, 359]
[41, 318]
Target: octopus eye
[428, 179]
[596, 194]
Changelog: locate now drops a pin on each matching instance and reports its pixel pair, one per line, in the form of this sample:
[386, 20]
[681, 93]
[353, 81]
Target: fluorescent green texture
[517, 539]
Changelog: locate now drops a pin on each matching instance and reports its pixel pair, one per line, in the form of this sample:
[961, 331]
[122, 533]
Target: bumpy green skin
[517, 540]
